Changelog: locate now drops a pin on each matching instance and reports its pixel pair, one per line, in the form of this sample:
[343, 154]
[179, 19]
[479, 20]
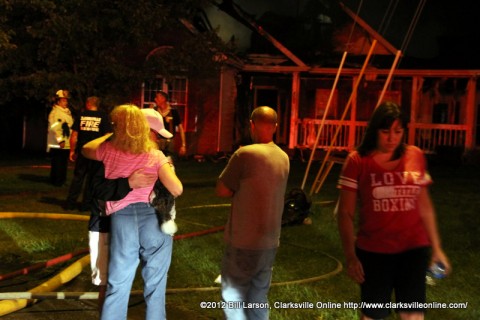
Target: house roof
[390, 49]
[357, 45]
[236, 12]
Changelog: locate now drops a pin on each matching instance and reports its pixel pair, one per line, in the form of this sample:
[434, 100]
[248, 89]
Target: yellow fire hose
[8, 306]
[14, 301]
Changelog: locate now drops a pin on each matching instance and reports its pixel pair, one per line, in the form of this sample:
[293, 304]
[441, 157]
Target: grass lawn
[308, 261]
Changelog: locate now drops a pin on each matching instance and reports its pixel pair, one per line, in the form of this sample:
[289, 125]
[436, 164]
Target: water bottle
[436, 271]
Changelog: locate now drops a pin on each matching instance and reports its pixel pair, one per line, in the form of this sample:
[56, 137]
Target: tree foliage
[96, 47]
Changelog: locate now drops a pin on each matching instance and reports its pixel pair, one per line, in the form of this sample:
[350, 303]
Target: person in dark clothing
[173, 122]
[89, 125]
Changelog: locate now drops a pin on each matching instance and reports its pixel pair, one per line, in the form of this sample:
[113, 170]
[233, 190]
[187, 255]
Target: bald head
[263, 124]
[264, 114]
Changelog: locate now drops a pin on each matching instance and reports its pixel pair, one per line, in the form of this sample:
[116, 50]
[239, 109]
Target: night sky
[445, 27]
[446, 31]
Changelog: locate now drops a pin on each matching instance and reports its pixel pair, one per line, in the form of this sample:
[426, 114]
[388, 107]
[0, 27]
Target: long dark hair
[382, 118]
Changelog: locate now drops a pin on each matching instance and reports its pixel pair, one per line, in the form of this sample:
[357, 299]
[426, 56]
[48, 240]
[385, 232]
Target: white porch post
[292, 141]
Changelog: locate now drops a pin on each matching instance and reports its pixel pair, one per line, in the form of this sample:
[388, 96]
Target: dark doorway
[276, 99]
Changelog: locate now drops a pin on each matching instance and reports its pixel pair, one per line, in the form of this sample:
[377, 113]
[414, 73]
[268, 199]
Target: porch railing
[429, 137]
[426, 136]
[349, 136]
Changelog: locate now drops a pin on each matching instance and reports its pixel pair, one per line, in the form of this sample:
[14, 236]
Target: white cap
[155, 121]
[62, 94]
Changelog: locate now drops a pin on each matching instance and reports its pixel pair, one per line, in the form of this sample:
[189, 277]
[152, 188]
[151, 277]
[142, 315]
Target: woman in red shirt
[397, 226]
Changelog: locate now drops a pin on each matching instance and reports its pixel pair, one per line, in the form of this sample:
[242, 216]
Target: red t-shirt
[389, 219]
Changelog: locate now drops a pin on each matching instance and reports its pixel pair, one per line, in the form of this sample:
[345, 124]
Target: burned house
[442, 104]
[297, 72]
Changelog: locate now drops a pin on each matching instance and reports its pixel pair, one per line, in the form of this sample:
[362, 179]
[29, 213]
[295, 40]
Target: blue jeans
[246, 278]
[135, 237]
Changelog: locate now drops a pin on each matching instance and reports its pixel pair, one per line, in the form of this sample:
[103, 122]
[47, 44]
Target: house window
[177, 90]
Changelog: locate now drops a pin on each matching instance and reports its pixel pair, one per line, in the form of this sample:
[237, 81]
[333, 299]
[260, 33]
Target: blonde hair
[131, 132]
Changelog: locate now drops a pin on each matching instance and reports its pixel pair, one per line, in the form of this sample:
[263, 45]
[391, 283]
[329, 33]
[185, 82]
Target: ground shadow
[50, 200]
[33, 178]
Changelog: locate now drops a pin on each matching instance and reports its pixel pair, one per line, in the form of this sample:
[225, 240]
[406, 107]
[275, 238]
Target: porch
[429, 137]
